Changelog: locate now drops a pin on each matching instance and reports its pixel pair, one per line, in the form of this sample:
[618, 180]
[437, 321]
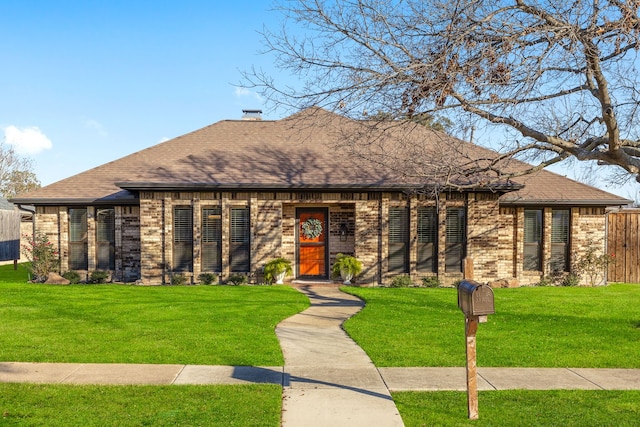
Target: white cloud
[28, 140]
[242, 92]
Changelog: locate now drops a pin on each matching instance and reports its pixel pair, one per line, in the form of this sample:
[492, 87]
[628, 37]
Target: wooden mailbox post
[476, 302]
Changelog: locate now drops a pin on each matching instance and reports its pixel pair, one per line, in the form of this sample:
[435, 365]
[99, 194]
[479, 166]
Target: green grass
[578, 408]
[64, 405]
[532, 327]
[207, 325]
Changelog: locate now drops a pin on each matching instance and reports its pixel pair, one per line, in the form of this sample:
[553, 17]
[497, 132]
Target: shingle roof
[298, 152]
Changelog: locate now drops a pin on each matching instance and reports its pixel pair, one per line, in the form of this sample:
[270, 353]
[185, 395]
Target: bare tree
[16, 173]
[560, 76]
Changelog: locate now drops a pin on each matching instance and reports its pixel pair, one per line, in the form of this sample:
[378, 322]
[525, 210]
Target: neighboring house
[231, 196]
[15, 227]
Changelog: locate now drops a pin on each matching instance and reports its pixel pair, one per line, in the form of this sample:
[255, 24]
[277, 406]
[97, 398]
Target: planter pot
[346, 277]
[280, 278]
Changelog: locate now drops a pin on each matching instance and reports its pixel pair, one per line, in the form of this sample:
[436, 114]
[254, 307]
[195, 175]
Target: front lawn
[256, 405]
[533, 327]
[521, 408]
[206, 325]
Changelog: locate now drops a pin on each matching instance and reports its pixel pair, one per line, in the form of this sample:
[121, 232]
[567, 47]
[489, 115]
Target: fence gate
[623, 242]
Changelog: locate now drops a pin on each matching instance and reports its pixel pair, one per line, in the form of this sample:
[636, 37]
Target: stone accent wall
[509, 258]
[152, 238]
[483, 238]
[340, 215]
[368, 242]
[267, 233]
[127, 243]
[288, 250]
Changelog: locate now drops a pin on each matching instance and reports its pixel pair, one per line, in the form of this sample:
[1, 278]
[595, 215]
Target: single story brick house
[229, 197]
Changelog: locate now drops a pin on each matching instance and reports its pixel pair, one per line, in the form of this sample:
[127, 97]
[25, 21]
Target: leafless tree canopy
[16, 173]
[562, 75]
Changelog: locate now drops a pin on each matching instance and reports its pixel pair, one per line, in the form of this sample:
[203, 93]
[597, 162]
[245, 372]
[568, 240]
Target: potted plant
[276, 270]
[346, 267]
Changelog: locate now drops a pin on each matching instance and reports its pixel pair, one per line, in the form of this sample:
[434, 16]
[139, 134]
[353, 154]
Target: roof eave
[160, 186]
[563, 202]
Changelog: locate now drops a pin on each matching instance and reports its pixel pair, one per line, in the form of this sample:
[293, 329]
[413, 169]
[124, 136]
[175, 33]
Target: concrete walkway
[327, 379]
[332, 381]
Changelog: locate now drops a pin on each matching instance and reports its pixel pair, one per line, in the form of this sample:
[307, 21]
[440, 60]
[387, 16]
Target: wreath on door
[312, 228]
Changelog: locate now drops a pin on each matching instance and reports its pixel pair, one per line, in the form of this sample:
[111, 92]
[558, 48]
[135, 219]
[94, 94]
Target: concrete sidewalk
[396, 379]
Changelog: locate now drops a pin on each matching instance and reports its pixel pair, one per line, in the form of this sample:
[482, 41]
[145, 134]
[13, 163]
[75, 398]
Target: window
[398, 240]
[533, 240]
[427, 239]
[105, 238]
[455, 239]
[78, 259]
[559, 240]
[212, 239]
[239, 240]
[183, 238]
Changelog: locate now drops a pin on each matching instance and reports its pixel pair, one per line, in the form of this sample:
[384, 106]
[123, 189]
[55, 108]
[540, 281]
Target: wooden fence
[9, 235]
[623, 242]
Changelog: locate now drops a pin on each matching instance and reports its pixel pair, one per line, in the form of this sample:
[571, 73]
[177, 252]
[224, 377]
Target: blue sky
[86, 82]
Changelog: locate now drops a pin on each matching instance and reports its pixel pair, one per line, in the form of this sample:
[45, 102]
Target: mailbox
[475, 299]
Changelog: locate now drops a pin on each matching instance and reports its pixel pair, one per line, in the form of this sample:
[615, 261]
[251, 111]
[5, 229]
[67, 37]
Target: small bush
[208, 278]
[571, 279]
[98, 276]
[402, 281]
[237, 279]
[72, 276]
[431, 282]
[42, 257]
[178, 279]
[545, 281]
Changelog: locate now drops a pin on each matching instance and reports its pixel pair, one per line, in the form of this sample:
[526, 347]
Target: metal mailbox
[475, 299]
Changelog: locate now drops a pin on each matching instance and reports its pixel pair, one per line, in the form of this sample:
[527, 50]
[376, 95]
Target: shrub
[178, 279]
[544, 281]
[402, 281]
[570, 279]
[208, 278]
[98, 276]
[276, 267]
[237, 279]
[72, 276]
[431, 282]
[593, 266]
[42, 257]
[347, 267]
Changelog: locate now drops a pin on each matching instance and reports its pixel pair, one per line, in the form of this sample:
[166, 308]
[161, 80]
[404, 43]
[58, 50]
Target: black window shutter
[533, 240]
[560, 240]
[78, 254]
[183, 239]
[212, 239]
[455, 238]
[398, 240]
[427, 239]
[105, 238]
[239, 240]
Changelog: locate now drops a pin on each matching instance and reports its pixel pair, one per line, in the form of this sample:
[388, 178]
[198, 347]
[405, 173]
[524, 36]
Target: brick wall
[494, 234]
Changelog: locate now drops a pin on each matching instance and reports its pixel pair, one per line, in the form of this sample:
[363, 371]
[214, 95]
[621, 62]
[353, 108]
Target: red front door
[312, 239]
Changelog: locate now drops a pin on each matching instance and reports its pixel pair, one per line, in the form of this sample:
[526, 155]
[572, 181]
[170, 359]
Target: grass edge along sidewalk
[533, 327]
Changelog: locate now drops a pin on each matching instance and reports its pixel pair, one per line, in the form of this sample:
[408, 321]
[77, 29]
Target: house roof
[313, 149]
